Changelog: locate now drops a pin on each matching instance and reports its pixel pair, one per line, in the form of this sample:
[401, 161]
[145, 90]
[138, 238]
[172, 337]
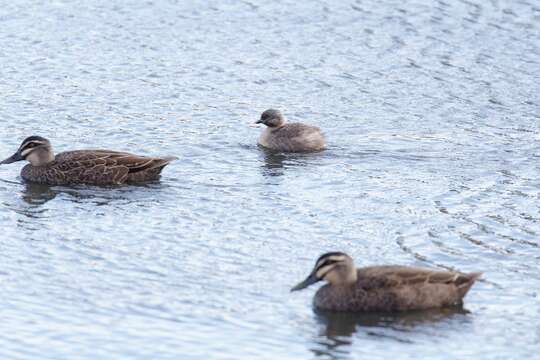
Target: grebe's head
[271, 118]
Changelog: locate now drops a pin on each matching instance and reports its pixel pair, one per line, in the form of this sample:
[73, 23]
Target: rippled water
[431, 110]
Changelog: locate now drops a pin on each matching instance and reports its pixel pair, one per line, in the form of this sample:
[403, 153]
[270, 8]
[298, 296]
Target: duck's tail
[466, 281]
[160, 163]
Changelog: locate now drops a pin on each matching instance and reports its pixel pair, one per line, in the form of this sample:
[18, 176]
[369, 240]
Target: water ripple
[431, 112]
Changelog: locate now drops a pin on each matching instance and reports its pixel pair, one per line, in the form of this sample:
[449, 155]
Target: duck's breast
[41, 175]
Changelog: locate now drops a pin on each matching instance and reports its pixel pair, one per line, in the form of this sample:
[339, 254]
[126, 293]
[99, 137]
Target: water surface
[431, 110]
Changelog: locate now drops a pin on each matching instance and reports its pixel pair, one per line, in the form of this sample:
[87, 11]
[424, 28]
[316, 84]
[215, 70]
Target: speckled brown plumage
[383, 288]
[96, 167]
[92, 167]
[396, 288]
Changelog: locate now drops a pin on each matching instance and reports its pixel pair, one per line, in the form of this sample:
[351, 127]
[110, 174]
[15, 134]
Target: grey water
[431, 110]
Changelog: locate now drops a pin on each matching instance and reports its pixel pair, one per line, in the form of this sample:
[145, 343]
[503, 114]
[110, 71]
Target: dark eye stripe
[31, 145]
[327, 262]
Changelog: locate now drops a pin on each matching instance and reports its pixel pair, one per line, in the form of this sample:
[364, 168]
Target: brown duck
[288, 137]
[384, 288]
[92, 167]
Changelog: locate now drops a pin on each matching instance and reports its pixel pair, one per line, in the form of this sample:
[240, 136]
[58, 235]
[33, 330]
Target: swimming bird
[92, 167]
[288, 137]
[384, 288]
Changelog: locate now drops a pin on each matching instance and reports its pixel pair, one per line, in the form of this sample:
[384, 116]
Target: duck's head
[335, 267]
[271, 118]
[35, 149]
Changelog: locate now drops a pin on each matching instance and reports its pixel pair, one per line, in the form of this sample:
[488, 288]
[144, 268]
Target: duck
[90, 167]
[288, 137]
[388, 288]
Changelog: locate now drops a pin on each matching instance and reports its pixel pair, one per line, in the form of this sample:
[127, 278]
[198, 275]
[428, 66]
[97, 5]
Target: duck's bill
[258, 121]
[12, 159]
[311, 279]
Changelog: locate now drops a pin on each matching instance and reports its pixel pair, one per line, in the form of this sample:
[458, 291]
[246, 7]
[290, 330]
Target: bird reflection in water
[337, 328]
[275, 162]
[37, 194]
[33, 196]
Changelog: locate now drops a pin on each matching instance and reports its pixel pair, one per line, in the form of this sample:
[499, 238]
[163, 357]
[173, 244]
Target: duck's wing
[397, 276]
[106, 166]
